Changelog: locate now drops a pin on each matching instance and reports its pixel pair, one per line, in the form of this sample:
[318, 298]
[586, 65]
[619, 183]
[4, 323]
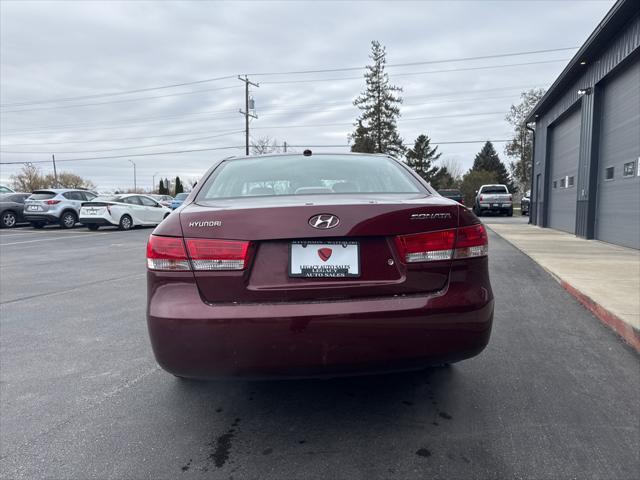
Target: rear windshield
[317, 175]
[450, 193]
[42, 195]
[495, 189]
[107, 198]
[181, 196]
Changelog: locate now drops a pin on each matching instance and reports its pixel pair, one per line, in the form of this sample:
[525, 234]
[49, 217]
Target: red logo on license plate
[324, 254]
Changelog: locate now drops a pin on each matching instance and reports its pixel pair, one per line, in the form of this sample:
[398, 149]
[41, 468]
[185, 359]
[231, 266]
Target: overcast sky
[53, 50]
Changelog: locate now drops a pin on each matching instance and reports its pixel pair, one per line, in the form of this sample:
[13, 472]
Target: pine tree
[376, 128]
[488, 160]
[161, 188]
[443, 179]
[178, 188]
[422, 156]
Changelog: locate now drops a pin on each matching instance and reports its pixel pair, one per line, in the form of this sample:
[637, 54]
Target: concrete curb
[629, 334]
[611, 320]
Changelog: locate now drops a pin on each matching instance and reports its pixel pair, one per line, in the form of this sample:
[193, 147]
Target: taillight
[481, 198]
[510, 198]
[472, 241]
[170, 253]
[462, 201]
[464, 242]
[167, 253]
[209, 254]
[52, 202]
[426, 247]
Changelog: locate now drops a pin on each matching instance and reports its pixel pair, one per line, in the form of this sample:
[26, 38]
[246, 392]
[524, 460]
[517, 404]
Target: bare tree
[264, 145]
[453, 166]
[30, 178]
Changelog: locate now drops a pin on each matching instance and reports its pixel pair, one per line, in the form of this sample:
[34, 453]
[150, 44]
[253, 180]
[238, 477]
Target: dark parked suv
[61, 206]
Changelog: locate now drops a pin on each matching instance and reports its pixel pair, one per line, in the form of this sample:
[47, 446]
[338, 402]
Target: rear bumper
[42, 217]
[193, 339]
[97, 221]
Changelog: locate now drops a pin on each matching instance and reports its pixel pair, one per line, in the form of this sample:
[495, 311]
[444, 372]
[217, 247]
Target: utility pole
[246, 112]
[285, 147]
[55, 172]
[135, 186]
[154, 182]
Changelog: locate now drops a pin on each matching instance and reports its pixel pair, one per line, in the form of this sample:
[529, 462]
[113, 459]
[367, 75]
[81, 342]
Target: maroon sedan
[316, 264]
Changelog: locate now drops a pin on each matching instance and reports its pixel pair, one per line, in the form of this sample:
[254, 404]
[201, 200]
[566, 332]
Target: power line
[45, 128]
[130, 148]
[127, 100]
[233, 148]
[409, 74]
[428, 62]
[295, 72]
[123, 92]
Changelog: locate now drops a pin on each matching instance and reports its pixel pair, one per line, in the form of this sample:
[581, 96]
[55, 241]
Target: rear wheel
[510, 212]
[68, 220]
[37, 225]
[125, 223]
[8, 220]
[93, 228]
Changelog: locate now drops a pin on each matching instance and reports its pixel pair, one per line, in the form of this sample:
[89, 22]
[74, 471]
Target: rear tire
[37, 225]
[510, 212]
[9, 220]
[125, 223]
[93, 228]
[68, 220]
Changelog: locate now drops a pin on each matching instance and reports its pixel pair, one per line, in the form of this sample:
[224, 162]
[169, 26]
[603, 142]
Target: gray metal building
[586, 161]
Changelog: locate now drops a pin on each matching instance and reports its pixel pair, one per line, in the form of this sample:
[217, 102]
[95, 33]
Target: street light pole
[154, 182]
[135, 186]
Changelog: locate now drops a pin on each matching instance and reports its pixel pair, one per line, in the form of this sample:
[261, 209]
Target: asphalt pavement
[554, 395]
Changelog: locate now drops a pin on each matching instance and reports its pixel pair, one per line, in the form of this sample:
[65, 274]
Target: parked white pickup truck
[493, 198]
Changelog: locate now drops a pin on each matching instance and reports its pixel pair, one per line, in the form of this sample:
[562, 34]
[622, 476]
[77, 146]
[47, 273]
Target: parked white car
[123, 211]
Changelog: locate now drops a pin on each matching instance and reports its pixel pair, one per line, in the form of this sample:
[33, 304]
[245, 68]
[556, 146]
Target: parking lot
[555, 394]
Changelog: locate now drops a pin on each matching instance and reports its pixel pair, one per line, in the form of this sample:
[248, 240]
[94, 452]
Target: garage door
[564, 149]
[618, 205]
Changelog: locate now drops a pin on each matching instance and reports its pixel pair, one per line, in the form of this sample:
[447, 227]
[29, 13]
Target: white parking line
[54, 238]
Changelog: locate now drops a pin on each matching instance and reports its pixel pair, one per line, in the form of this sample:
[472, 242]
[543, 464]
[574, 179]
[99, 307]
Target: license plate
[91, 211]
[33, 208]
[495, 205]
[317, 259]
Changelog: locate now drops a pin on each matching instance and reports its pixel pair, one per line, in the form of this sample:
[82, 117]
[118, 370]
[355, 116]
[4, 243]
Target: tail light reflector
[167, 253]
[472, 241]
[52, 202]
[210, 254]
[481, 198]
[426, 247]
[464, 242]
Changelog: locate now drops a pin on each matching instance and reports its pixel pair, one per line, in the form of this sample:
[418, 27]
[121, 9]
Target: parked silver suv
[55, 205]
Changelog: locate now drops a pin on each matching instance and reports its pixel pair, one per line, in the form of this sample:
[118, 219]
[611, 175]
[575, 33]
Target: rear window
[316, 175]
[42, 195]
[450, 193]
[495, 189]
[107, 198]
[181, 196]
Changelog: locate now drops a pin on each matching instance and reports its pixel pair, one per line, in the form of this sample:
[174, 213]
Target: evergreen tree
[376, 129]
[178, 188]
[488, 160]
[161, 189]
[443, 179]
[422, 156]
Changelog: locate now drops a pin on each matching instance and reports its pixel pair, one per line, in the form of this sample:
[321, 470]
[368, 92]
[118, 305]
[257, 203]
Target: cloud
[59, 49]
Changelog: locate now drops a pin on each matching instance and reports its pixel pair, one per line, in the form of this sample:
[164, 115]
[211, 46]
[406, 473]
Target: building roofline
[618, 15]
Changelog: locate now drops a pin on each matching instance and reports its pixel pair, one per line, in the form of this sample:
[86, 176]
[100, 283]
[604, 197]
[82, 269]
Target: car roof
[60, 190]
[298, 154]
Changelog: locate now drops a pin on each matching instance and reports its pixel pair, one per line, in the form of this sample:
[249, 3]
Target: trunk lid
[272, 223]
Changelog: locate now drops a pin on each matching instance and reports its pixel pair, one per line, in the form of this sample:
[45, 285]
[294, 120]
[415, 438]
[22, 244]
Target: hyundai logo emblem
[324, 221]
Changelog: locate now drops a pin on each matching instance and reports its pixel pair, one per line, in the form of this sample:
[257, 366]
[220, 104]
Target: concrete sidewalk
[603, 277]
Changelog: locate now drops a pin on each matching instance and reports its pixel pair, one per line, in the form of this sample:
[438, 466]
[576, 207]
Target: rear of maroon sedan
[316, 265]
